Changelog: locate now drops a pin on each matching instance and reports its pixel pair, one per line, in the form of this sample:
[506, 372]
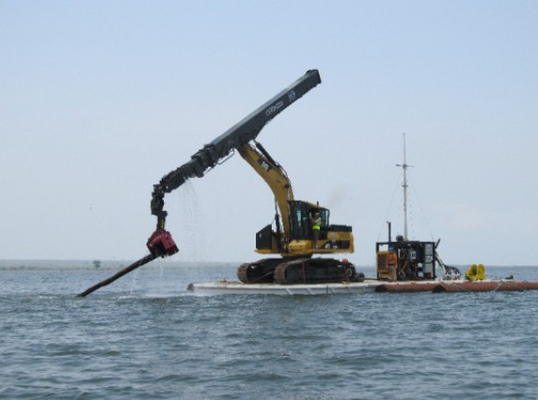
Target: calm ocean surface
[146, 337]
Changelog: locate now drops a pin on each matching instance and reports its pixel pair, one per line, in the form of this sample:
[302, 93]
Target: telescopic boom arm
[160, 243]
[234, 138]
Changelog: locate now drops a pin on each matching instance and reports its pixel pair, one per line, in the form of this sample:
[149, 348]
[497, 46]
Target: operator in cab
[315, 222]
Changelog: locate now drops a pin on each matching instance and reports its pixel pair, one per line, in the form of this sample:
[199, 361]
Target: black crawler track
[259, 271]
[299, 270]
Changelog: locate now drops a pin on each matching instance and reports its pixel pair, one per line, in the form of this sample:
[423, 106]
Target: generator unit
[405, 260]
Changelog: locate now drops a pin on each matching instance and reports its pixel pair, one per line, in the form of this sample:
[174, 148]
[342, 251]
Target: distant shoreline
[11, 265]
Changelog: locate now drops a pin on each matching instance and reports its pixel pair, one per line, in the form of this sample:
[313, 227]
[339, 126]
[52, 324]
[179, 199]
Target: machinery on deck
[405, 260]
[411, 260]
[292, 236]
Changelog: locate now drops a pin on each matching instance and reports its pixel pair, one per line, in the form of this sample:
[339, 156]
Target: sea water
[146, 337]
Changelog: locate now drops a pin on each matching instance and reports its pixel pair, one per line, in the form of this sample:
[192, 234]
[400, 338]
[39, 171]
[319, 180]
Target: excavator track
[314, 270]
[259, 271]
[298, 270]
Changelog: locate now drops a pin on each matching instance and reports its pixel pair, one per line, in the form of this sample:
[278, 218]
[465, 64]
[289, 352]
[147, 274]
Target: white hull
[224, 287]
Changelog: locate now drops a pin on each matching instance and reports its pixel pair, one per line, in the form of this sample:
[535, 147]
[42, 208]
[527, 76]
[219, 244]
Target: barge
[367, 286]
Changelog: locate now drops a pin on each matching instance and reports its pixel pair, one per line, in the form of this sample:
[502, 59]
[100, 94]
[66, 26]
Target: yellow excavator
[298, 232]
[293, 236]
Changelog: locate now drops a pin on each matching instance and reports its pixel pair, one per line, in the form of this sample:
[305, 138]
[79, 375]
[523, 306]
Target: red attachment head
[161, 244]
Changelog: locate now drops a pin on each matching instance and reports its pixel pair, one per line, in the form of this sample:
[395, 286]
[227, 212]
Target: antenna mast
[404, 167]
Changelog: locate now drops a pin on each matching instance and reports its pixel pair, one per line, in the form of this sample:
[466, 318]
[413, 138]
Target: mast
[404, 167]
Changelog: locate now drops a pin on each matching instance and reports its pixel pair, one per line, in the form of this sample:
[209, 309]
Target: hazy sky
[100, 99]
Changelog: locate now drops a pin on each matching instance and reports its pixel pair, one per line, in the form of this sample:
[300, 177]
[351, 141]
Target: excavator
[291, 236]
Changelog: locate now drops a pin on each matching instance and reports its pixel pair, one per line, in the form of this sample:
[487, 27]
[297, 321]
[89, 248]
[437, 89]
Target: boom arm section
[275, 176]
[234, 138]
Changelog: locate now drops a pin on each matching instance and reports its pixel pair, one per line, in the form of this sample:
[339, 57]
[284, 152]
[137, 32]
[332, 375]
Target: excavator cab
[301, 214]
[299, 241]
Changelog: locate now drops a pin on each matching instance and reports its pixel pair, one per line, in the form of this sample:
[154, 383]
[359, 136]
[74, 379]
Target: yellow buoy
[476, 273]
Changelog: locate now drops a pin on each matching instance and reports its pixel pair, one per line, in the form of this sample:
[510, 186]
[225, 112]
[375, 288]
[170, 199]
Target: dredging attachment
[160, 244]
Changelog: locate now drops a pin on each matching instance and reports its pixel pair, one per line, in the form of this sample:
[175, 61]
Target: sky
[100, 99]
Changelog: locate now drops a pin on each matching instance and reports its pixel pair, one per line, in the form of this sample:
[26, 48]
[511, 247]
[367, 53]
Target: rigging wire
[422, 211]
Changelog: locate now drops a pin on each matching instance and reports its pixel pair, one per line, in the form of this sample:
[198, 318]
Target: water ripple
[137, 343]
